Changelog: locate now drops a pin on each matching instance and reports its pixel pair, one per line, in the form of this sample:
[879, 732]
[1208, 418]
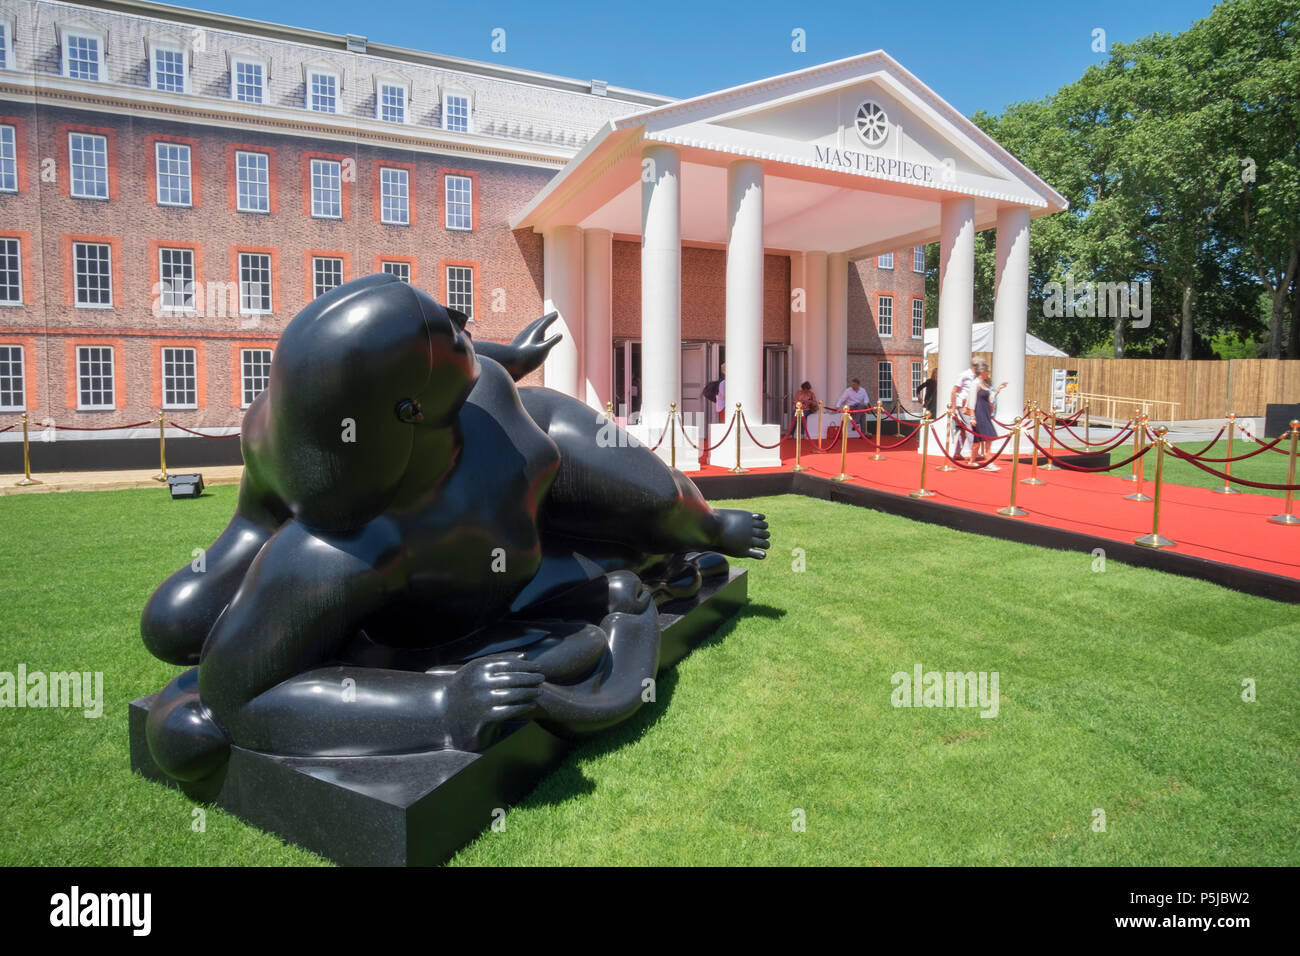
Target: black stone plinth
[411, 809]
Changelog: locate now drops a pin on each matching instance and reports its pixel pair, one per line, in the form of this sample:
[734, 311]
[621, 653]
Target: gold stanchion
[672, 433]
[740, 425]
[609, 410]
[162, 450]
[1051, 444]
[1288, 516]
[1087, 424]
[1011, 511]
[945, 466]
[27, 478]
[878, 456]
[1227, 488]
[1154, 539]
[820, 434]
[1033, 478]
[798, 435]
[844, 445]
[1140, 468]
[1138, 438]
[925, 453]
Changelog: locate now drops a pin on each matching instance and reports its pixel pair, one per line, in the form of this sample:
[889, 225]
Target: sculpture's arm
[528, 350]
[268, 674]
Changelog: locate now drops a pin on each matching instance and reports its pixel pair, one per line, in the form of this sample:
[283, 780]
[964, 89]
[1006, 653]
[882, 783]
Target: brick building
[176, 185]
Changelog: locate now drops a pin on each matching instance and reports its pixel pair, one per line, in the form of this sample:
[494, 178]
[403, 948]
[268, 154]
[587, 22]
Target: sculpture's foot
[184, 740]
[743, 534]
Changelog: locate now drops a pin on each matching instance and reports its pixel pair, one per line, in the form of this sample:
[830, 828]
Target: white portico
[825, 165]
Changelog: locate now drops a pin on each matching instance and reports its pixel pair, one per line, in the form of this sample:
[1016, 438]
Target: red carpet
[1228, 528]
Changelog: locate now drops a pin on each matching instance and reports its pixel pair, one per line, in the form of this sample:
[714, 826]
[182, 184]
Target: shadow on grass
[568, 781]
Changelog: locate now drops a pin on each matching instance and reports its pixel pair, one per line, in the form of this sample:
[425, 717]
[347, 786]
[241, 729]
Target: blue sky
[976, 55]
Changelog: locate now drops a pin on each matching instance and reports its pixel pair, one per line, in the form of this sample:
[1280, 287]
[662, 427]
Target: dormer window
[169, 68]
[455, 112]
[247, 80]
[392, 101]
[83, 54]
[6, 44]
[322, 91]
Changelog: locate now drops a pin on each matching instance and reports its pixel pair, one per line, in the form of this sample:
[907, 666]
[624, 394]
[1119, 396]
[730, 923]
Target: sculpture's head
[354, 374]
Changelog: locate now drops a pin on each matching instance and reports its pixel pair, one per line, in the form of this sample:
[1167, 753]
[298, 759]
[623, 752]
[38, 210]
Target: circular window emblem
[872, 123]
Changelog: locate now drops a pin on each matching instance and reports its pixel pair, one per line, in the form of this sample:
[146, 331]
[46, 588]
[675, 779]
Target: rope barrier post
[740, 422]
[925, 452]
[162, 450]
[1138, 434]
[878, 456]
[672, 433]
[1288, 516]
[27, 478]
[844, 444]
[1140, 466]
[1227, 488]
[945, 466]
[820, 434]
[1087, 422]
[1051, 447]
[798, 436]
[1033, 478]
[1154, 539]
[1011, 511]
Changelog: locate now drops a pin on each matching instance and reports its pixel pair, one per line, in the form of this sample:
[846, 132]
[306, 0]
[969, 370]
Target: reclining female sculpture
[422, 552]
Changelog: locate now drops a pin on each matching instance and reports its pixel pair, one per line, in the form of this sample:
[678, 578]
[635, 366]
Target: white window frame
[918, 375]
[18, 243]
[235, 62]
[316, 262]
[239, 196]
[880, 324]
[312, 185]
[163, 282]
[169, 46]
[69, 33]
[158, 173]
[311, 73]
[406, 197]
[385, 264]
[915, 334]
[885, 260]
[447, 95]
[270, 283]
[883, 384]
[451, 300]
[398, 84]
[7, 43]
[918, 255]
[446, 202]
[112, 378]
[245, 401]
[72, 179]
[76, 290]
[194, 365]
[22, 379]
[13, 138]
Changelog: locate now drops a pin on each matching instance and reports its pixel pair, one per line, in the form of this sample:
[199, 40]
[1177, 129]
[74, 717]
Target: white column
[661, 299]
[745, 312]
[597, 308]
[562, 272]
[1011, 309]
[956, 295]
[815, 290]
[837, 325]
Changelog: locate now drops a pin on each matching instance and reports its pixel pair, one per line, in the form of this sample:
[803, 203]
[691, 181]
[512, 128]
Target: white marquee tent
[981, 340]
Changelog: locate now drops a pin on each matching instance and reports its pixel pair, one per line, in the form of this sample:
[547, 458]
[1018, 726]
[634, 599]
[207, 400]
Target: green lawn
[1268, 466]
[1119, 691]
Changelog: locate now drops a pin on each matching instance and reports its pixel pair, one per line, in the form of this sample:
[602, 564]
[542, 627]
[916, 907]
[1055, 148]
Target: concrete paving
[111, 480]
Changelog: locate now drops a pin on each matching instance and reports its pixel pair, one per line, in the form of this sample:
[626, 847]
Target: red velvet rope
[200, 434]
[991, 459]
[709, 449]
[881, 447]
[9, 428]
[1126, 429]
[1212, 443]
[1260, 441]
[93, 428]
[745, 423]
[1179, 453]
[1069, 467]
[1250, 454]
[1094, 448]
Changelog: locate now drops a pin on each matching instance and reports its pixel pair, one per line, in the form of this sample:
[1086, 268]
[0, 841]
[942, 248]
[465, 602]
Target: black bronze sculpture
[423, 552]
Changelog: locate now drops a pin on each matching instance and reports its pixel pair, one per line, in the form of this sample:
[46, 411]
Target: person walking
[986, 398]
[961, 399]
[808, 398]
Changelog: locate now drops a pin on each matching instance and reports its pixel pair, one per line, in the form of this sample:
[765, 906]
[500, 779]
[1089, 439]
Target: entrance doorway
[778, 397]
[627, 380]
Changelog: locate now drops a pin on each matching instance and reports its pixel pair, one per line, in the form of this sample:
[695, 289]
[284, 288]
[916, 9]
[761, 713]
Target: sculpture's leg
[181, 612]
[609, 489]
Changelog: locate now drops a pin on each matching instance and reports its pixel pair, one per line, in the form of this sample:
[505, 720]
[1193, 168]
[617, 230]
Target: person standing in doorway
[930, 390]
[720, 403]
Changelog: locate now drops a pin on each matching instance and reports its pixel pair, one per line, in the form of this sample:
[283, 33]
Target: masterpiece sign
[868, 163]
